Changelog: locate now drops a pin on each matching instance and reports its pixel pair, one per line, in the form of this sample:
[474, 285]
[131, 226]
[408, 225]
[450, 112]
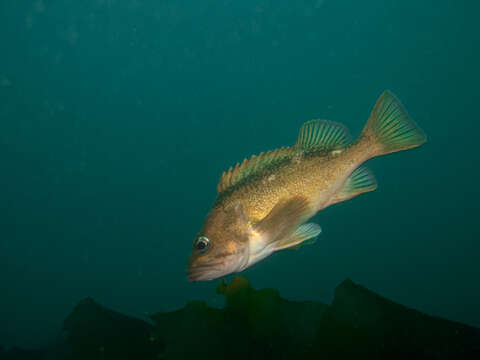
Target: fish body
[264, 203]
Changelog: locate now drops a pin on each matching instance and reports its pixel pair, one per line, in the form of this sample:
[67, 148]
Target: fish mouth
[203, 272]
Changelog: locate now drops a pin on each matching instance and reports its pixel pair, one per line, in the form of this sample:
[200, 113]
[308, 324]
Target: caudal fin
[389, 127]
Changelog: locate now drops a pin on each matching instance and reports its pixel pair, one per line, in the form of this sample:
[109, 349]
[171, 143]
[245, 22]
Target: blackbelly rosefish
[264, 203]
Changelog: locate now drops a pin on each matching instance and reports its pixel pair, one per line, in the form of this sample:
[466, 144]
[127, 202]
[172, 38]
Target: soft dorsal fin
[322, 135]
[252, 166]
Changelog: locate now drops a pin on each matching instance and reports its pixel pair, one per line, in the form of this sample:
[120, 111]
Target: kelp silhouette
[259, 324]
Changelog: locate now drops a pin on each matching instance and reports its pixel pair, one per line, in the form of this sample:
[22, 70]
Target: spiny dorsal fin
[322, 135]
[252, 166]
[359, 182]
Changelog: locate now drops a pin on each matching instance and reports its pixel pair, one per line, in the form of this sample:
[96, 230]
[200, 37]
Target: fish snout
[205, 272]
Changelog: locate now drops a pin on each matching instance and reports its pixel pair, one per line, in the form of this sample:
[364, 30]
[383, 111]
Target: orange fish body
[264, 203]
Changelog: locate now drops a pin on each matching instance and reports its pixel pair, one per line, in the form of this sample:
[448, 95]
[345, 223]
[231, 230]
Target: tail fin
[390, 128]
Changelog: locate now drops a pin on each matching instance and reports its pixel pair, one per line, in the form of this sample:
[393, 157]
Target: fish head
[222, 246]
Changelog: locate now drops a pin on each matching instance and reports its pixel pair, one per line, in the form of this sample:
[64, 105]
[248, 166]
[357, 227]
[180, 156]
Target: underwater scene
[227, 179]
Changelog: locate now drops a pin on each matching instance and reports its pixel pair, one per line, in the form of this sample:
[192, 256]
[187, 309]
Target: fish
[264, 203]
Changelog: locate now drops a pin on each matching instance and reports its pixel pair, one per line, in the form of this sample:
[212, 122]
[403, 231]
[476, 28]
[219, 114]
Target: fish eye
[202, 243]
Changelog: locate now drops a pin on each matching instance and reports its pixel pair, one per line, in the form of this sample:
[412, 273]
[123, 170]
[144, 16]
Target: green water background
[118, 117]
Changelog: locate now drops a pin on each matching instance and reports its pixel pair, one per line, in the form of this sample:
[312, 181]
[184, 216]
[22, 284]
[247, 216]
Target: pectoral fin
[283, 219]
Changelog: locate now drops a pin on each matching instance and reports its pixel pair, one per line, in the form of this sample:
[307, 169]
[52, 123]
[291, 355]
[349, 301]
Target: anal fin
[359, 182]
